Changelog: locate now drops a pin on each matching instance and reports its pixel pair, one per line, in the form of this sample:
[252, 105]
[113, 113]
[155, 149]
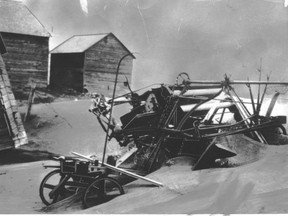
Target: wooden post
[30, 101]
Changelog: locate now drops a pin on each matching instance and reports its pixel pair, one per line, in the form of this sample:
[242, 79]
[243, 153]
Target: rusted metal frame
[227, 133]
[187, 115]
[259, 136]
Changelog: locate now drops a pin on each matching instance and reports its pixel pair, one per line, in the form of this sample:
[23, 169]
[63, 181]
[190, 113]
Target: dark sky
[205, 38]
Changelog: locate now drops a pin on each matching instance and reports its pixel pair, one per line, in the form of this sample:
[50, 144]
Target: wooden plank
[30, 101]
[26, 56]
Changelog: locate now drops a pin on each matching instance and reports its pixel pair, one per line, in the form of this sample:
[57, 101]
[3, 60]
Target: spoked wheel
[50, 181]
[100, 191]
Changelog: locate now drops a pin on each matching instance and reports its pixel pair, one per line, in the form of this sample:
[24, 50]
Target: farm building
[12, 132]
[89, 62]
[27, 44]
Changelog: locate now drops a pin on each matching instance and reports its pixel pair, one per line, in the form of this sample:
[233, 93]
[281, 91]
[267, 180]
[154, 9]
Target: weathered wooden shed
[90, 62]
[12, 132]
[27, 44]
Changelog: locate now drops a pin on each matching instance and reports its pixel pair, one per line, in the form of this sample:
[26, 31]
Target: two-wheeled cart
[73, 176]
[86, 177]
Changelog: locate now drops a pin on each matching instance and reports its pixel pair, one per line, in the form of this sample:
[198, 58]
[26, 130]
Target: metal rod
[259, 86]
[262, 98]
[121, 170]
[156, 150]
[241, 103]
[113, 97]
[244, 116]
[239, 82]
[252, 98]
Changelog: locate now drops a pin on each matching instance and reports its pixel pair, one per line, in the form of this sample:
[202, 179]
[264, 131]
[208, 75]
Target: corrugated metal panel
[15, 17]
[78, 43]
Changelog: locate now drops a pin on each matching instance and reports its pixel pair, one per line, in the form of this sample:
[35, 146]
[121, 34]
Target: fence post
[30, 101]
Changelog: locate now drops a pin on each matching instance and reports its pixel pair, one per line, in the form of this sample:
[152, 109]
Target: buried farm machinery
[165, 122]
[184, 119]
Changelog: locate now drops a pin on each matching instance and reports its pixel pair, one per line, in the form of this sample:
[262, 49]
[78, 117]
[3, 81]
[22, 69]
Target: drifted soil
[257, 182]
[258, 187]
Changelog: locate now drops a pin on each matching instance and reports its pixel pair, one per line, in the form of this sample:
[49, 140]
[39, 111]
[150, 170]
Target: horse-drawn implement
[182, 119]
[165, 122]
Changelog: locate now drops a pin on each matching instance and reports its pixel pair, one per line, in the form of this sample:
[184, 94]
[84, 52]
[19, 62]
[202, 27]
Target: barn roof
[15, 17]
[81, 43]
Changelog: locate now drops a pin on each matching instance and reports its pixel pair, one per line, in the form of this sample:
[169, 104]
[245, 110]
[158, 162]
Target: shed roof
[15, 17]
[81, 43]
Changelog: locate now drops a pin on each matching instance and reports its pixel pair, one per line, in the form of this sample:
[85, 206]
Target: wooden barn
[27, 44]
[89, 62]
[12, 132]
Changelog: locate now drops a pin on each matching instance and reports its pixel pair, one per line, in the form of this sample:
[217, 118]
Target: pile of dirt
[247, 149]
[258, 187]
